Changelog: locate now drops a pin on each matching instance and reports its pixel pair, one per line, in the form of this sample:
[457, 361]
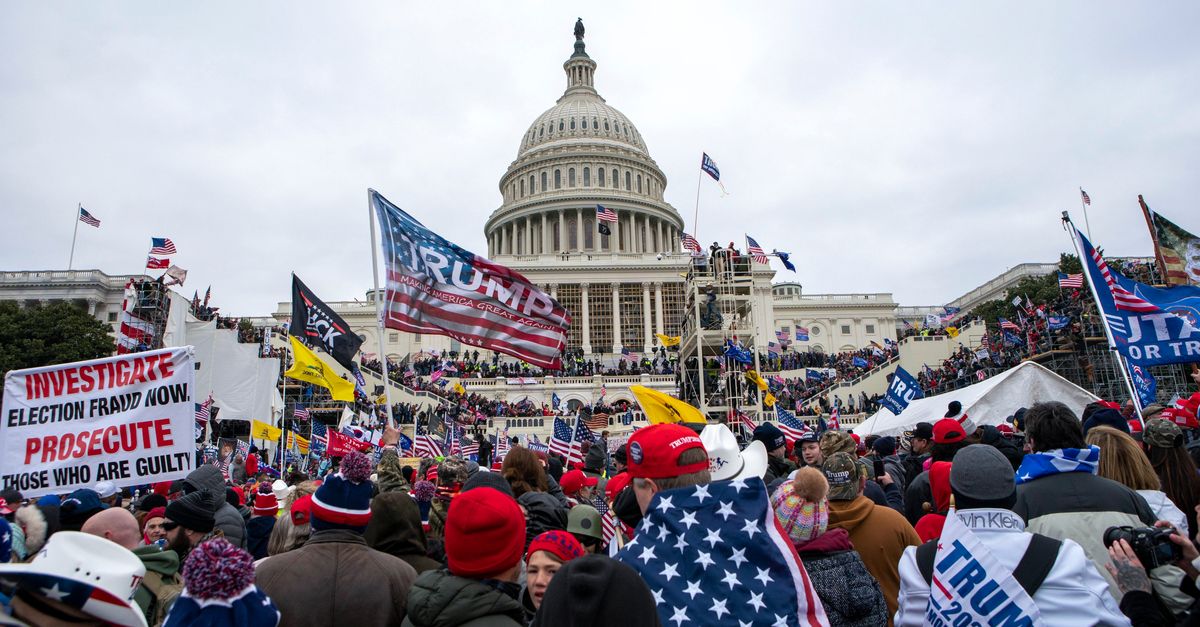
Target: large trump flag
[436, 287]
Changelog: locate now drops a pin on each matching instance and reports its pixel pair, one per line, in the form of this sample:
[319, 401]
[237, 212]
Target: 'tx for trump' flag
[436, 287]
[734, 565]
[319, 325]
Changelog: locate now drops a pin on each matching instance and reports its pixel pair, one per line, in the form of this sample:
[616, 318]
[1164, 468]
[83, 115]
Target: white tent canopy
[988, 402]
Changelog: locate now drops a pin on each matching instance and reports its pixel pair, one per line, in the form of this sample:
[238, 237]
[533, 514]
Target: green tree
[1039, 289]
[41, 335]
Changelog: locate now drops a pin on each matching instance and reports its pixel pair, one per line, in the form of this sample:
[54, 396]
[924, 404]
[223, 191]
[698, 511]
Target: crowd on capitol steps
[1047, 518]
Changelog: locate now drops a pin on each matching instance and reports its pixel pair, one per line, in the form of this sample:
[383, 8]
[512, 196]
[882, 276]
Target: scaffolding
[719, 310]
[148, 301]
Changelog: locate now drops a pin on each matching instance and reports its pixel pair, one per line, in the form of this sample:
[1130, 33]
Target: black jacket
[395, 529]
[439, 599]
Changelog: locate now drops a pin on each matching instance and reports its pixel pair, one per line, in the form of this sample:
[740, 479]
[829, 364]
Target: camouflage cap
[837, 442]
[452, 471]
[843, 472]
[1162, 433]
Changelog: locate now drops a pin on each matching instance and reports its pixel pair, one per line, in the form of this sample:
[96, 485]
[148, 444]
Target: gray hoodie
[229, 520]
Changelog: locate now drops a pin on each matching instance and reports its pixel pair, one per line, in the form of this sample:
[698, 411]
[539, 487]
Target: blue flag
[859, 362]
[1149, 326]
[406, 443]
[902, 391]
[1057, 322]
[814, 375]
[1144, 384]
[1013, 339]
[784, 258]
[554, 400]
[738, 353]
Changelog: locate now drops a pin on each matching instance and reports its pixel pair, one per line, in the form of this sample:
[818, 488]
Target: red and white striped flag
[756, 251]
[1122, 298]
[604, 214]
[1087, 200]
[690, 243]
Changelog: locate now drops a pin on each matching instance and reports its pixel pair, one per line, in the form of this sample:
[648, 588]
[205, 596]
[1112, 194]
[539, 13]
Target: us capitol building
[621, 289]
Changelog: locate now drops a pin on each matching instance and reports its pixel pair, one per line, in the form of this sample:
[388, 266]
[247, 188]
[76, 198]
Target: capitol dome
[578, 154]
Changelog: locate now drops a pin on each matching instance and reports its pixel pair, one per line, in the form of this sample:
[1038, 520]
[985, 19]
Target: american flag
[791, 427]
[740, 418]
[560, 441]
[772, 348]
[1123, 299]
[154, 263]
[1070, 280]
[756, 251]
[318, 434]
[301, 412]
[470, 448]
[835, 421]
[734, 565]
[608, 522]
[597, 421]
[690, 243]
[583, 437]
[782, 336]
[502, 443]
[1008, 325]
[629, 355]
[88, 218]
[425, 445]
[485, 305]
[604, 214]
[1087, 200]
[161, 246]
[204, 410]
[802, 334]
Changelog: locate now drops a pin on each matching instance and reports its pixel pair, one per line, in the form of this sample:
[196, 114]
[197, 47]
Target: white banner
[127, 419]
[970, 586]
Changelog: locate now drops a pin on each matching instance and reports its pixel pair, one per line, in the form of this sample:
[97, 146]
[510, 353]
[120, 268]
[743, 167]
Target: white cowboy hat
[725, 461]
[87, 572]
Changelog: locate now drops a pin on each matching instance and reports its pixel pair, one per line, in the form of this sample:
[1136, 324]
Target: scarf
[1056, 461]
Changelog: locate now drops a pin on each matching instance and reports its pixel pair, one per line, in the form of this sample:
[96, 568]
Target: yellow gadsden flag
[262, 431]
[663, 408]
[306, 366]
[754, 378]
[668, 340]
[952, 332]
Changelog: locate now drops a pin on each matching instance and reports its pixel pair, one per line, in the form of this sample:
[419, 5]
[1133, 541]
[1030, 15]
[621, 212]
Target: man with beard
[189, 521]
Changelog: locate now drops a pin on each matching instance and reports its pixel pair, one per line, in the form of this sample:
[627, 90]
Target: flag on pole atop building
[756, 251]
[1087, 200]
[436, 287]
[162, 246]
[709, 167]
[604, 214]
[88, 218]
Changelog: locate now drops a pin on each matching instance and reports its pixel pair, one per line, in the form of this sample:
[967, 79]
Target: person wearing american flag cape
[711, 552]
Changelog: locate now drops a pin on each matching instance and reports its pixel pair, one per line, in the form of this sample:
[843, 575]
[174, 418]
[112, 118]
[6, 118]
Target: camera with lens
[1152, 546]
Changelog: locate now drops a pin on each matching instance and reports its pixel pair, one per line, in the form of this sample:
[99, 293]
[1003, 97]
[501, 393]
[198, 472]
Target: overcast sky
[916, 148]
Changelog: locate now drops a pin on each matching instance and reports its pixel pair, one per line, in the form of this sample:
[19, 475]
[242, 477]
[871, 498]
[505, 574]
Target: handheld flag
[306, 366]
[262, 431]
[560, 440]
[320, 326]
[436, 287]
[1070, 281]
[1175, 248]
[959, 551]
[901, 391]
[663, 408]
[668, 340]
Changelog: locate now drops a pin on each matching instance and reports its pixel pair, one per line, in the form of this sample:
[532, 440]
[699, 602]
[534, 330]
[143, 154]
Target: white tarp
[179, 315]
[242, 383]
[988, 402]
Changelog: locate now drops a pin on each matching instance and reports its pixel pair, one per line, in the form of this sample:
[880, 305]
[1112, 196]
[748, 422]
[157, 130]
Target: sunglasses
[168, 525]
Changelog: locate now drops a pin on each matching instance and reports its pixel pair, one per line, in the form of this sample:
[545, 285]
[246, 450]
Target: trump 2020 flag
[436, 287]
[969, 581]
[901, 391]
[714, 555]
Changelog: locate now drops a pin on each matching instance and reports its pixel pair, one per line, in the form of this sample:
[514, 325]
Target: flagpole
[383, 362]
[78, 212]
[1086, 224]
[696, 217]
[1070, 227]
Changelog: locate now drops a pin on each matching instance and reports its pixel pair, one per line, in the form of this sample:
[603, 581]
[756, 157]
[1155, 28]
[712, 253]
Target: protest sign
[126, 419]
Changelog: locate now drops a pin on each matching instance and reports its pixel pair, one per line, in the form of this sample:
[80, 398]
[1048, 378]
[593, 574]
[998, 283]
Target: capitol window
[870, 329]
[572, 124]
[595, 124]
[557, 179]
[628, 181]
[845, 329]
[600, 176]
[531, 189]
[542, 131]
[639, 183]
[560, 126]
[606, 125]
[544, 187]
[587, 177]
[522, 188]
[615, 184]
[571, 177]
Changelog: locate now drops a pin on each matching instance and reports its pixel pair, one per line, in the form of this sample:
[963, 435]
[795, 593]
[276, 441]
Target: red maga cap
[654, 451]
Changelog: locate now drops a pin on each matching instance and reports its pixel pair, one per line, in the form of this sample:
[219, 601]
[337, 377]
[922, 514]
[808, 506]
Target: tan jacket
[880, 535]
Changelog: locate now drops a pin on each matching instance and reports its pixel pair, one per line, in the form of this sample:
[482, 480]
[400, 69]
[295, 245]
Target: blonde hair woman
[1123, 461]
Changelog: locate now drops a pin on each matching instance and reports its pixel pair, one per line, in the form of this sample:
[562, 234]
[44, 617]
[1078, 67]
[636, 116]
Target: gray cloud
[918, 148]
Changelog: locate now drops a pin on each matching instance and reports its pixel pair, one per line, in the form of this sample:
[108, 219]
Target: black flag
[604, 230]
[317, 325]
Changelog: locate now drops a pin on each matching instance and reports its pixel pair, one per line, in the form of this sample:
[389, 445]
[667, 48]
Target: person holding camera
[1059, 493]
[1134, 552]
[1057, 575]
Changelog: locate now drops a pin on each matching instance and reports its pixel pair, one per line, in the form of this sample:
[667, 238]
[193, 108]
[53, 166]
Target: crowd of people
[1060, 518]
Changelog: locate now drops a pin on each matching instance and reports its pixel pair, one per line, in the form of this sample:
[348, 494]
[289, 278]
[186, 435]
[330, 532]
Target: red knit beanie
[560, 543]
[485, 533]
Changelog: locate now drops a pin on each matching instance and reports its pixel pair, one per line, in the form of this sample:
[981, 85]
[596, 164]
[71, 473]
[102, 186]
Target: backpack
[1030, 572]
[163, 592]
